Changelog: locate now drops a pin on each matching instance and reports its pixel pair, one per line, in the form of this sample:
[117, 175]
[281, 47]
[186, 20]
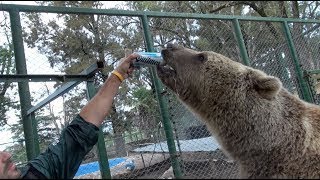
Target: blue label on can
[153, 55]
[148, 58]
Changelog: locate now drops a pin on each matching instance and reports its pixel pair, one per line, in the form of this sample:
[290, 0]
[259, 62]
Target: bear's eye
[201, 57]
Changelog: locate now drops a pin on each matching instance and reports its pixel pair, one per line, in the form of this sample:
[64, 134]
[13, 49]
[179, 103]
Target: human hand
[125, 67]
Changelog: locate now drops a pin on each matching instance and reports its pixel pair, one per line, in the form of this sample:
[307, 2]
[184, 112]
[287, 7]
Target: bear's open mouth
[166, 70]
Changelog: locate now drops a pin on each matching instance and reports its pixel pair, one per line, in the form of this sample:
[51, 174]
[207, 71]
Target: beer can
[148, 58]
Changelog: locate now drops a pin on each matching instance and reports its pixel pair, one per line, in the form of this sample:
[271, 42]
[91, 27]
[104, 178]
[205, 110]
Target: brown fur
[267, 130]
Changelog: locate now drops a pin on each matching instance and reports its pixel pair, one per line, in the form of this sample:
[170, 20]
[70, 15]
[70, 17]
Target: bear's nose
[173, 46]
[164, 53]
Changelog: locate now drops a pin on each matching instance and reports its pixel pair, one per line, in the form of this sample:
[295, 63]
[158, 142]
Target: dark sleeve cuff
[31, 173]
[87, 131]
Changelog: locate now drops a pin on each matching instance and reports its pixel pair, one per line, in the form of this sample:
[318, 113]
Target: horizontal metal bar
[78, 10]
[64, 88]
[225, 17]
[42, 77]
[314, 71]
[68, 10]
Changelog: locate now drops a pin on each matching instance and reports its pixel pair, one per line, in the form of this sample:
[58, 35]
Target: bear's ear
[267, 86]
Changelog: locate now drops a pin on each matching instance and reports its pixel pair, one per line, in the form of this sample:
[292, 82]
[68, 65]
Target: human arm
[99, 106]
[62, 160]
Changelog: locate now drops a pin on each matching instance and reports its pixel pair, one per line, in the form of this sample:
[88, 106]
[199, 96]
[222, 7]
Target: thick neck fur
[245, 128]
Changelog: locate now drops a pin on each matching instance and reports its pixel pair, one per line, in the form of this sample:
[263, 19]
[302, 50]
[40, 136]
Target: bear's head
[200, 76]
[228, 96]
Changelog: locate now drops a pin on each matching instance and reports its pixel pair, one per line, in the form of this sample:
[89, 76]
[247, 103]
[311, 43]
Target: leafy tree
[6, 67]
[146, 107]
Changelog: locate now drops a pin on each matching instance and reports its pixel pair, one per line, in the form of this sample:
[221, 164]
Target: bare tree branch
[312, 14]
[192, 9]
[283, 10]
[174, 32]
[295, 9]
[201, 8]
[254, 6]
[262, 13]
[229, 4]
[51, 111]
[297, 27]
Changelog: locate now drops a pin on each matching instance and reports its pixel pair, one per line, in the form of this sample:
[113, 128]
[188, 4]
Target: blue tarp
[94, 166]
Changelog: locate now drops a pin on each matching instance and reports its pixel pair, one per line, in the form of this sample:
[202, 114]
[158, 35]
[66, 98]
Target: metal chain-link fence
[308, 49]
[135, 134]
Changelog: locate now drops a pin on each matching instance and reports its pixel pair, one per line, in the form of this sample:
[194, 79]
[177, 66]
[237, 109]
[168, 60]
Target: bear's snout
[167, 53]
[169, 46]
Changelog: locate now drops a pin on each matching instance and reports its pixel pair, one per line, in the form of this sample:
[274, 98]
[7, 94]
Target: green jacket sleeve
[62, 160]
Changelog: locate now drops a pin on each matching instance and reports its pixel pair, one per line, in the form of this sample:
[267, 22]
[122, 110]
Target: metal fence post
[303, 85]
[30, 130]
[242, 46]
[35, 132]
[101, 146]
[163, 104]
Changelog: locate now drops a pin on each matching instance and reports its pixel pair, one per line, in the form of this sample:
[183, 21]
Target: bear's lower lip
[169, 67]
[166, 70]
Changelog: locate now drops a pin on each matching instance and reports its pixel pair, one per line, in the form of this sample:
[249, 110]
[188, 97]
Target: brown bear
[267, 130]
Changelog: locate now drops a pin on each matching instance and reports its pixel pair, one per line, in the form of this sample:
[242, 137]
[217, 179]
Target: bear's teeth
[169, 67]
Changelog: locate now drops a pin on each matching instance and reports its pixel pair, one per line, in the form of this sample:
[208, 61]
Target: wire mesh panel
[268, 51]
[306, 39]
[313, 80]
[200, 154]
[204, 35]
